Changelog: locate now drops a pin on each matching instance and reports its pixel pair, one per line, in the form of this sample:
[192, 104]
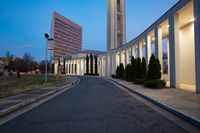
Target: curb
[177, 113]
[28, 102]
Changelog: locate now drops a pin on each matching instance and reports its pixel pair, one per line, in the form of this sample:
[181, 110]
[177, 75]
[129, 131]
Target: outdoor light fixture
[153, 38]
[144, 43]
[168, 26]
[192, 19]
[46, 52]
[46, 35]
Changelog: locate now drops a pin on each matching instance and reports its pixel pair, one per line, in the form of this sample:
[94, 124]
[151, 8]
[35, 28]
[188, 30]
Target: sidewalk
[179, 102]
[15, 102]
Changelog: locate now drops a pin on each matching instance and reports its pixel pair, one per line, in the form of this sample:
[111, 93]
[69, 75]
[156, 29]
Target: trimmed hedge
[120, 71]
[114, 76]
[155, 83]
[140, 81]
[137, 72]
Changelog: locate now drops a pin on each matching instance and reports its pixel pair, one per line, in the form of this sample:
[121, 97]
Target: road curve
[93, 106]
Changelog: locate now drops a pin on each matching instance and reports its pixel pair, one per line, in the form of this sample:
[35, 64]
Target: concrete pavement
[182, 103]
[93, 106]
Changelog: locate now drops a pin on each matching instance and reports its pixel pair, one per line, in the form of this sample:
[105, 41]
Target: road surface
[93, 106]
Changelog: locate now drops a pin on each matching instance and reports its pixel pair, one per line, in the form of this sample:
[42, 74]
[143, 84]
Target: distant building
[75, 63]
[67, 36]
[1, 68]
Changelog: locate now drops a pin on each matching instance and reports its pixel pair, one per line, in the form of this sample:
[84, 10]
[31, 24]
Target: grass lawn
[13, 85]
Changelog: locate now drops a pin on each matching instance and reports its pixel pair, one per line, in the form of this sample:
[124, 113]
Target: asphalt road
[93, 106]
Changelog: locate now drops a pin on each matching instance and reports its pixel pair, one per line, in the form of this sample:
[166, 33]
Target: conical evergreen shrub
[139, 69]
[128, 72]
[91, 64]
[154, 69]
[133, 68]
[144, 68]
[117, 72]
[158, 74]
[121, 71]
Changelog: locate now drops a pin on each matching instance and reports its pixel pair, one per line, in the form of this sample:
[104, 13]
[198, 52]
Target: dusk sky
[24, 22]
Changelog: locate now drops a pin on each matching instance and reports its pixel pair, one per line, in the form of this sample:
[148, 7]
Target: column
[83, 61]
[140, 49]
[173, 40]
[68, 68]
[148, 48]
[101, 66]
[133, 51]
[125, 57]
[120, 56]
[168, 55]
[56, 68]
[111, 63]
[107, 65]
[79, 65]
[158, 43]
[197, 42]
[117, 59]
[114, 62]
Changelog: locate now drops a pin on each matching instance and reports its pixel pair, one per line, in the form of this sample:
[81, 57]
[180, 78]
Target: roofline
[56, 13]
[173, 9]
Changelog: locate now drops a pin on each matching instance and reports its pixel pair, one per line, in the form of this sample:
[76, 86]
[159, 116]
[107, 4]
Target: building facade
[116, 32]
[76, 64]
[67, 36]
[1, 68]
[174, 39]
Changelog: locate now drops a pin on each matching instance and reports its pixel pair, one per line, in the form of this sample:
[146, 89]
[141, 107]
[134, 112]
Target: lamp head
[46, 35]
[50, 39]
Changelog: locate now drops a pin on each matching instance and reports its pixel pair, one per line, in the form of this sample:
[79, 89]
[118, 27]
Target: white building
[76, 64]
[178, 29]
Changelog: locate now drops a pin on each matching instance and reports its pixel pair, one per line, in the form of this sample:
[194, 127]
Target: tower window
[118, 6]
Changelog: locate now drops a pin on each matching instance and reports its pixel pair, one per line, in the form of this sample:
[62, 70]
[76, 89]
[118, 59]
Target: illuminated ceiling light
[153, 38]
[168, 26]
[144, 43]
[192, 19]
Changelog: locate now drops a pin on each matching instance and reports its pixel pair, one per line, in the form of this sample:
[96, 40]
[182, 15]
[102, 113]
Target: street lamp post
[46, 54]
